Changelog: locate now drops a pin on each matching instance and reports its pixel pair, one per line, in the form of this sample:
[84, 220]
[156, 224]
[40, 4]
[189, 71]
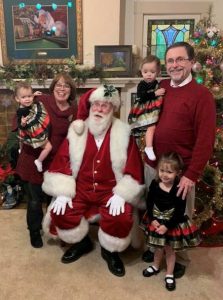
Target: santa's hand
[59, 205]
[117, 205]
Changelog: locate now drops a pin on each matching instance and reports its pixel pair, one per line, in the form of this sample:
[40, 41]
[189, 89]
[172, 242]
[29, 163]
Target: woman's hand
[37, 93]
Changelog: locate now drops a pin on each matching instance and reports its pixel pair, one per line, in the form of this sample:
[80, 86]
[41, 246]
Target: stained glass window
[163, 33]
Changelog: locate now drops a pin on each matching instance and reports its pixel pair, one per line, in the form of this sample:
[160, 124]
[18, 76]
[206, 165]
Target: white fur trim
[78, 126]
[77, 145]
[74, 235]
[46, 222]
[99, 95]
[129, 189]
[111, 243]
[119, 141]
[56, 184]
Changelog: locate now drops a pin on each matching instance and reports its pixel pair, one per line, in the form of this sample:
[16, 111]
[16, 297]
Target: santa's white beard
[98, 126]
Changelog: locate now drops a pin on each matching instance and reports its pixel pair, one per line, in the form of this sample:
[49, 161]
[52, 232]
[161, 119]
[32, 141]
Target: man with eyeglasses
[98, 169]
[186, 126]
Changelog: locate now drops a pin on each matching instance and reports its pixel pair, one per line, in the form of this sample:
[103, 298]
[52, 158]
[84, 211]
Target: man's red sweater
[187, 126]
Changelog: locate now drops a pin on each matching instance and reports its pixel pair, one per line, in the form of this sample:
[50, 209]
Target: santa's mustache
[99, 122]
[100, 115]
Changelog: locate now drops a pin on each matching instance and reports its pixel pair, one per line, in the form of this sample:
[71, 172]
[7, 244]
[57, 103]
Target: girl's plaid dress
[35, 132]
[168, 209]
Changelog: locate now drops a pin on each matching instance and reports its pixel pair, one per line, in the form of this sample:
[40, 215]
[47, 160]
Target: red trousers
[116, 226]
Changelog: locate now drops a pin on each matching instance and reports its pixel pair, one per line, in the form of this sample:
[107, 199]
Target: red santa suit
[91, 176]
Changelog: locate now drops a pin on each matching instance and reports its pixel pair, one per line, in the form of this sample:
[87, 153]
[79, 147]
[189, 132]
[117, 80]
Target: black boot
[114, 262]
[36, 239]
[77, 250]
[148, 256]
[179, 270]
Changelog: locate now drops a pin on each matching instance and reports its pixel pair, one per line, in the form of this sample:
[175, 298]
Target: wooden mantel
[126, 86]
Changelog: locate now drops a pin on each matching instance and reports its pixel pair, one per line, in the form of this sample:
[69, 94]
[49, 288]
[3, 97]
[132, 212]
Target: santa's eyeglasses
[101, 105]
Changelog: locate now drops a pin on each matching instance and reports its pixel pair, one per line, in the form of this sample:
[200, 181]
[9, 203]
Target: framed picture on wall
[44, 31]
[117, 60]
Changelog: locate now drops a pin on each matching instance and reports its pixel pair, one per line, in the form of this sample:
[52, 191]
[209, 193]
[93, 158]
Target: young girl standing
[145, 111]
[166, 226]
[33, 122]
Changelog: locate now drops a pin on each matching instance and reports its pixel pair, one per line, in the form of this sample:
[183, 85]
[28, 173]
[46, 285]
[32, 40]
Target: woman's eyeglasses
[62, 86]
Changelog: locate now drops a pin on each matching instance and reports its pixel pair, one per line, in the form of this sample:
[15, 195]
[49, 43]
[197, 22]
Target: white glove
[59, 205]
[117, 205]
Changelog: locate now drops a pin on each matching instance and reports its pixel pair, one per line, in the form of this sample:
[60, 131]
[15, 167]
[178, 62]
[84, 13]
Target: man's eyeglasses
[179, 60]
[60, 86]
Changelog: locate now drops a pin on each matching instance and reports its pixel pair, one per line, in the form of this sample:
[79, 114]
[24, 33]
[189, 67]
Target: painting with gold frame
[115, 59]
[41, 33]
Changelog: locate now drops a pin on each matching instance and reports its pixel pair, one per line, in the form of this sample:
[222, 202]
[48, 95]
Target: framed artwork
[41, 33]
[116, 60]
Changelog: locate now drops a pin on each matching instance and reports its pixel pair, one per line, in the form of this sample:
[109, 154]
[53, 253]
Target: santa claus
[98, 168]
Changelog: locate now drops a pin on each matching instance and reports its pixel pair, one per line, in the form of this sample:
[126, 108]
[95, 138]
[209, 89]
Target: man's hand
[160, 92]
[161, 229]
[24, 121]
[185, 185]
[59, 205]
[117, 205]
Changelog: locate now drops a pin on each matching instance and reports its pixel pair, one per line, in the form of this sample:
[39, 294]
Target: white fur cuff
[78, 126]
[56, 184]
[74, 235]
[111, 243]
[129, 189]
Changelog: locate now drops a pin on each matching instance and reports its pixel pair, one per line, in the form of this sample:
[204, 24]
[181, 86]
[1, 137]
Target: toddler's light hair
[172, 158]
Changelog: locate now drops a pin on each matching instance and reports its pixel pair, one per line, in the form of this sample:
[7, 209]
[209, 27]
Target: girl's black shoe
[170, 283]
[150, 271]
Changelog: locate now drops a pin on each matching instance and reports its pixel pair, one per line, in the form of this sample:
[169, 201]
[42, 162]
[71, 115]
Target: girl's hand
[155, 224]
[161, 229]
[160, 92]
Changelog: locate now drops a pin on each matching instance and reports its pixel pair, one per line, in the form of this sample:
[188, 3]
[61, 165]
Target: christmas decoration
[41, 72]
[10, 197]
[197, 67]
[207, 41]
[208, 44]
[11, 187]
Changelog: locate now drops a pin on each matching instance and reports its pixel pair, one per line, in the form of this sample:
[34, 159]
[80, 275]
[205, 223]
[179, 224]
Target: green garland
[42, 72]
